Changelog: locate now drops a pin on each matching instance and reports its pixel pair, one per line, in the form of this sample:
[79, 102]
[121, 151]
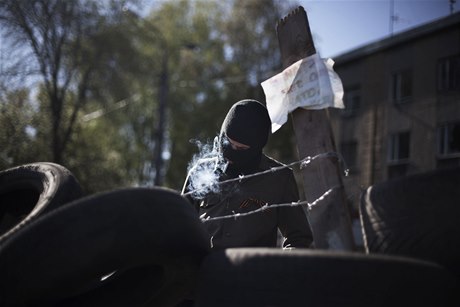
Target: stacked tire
[148, 247]
[127, 247]
[415, 216]
[30, 190]
[303, 277]
[411, 236]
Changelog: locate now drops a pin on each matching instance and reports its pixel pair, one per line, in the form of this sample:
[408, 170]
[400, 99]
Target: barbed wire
[267, 207]
[116, 106]
[302, 162]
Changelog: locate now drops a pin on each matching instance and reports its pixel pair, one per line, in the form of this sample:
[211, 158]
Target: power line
[116, 106]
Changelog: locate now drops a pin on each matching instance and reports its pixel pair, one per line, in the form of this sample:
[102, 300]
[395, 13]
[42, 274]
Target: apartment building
[402, 98]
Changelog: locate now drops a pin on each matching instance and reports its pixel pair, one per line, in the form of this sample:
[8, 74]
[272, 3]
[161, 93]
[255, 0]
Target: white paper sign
[310, 83]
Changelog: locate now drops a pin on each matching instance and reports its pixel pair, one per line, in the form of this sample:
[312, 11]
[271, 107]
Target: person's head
[244, 133]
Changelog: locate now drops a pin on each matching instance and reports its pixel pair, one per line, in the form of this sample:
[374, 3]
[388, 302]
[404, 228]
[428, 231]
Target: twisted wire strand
[303, 163]
[267, 206]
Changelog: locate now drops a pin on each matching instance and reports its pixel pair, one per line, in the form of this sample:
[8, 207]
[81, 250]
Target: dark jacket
[259, 229]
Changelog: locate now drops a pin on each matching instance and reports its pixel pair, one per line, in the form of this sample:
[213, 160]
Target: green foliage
[16, 131]
[235, 53]
[98, 161]
[104, 100]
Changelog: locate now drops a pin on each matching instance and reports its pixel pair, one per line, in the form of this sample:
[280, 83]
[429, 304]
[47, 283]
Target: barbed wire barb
[266, 206]
[303, 163]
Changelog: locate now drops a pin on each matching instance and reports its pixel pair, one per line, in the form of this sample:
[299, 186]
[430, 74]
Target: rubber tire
[416, 216]
[139, 286]
[273, 277]
[62, 256]
[29, 190]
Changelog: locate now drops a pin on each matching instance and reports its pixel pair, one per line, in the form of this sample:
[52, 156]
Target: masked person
[238, 150]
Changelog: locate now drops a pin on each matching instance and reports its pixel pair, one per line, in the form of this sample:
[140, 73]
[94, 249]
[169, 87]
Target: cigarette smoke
[205, 169]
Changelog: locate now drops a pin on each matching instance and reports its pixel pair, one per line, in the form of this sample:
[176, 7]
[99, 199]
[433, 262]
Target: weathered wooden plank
[330, 219]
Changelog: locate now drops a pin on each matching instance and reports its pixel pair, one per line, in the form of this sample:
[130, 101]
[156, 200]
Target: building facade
[402, 98]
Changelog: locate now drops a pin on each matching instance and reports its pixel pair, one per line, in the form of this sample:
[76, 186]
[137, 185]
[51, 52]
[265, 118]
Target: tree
[47, 28]
[251, 31]
[16, 132]
[85, 54]
[96, 105]
[234, 53]
[55, 31]
[195, 65]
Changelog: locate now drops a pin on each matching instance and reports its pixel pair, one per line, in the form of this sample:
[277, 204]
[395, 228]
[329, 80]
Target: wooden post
[329, 219]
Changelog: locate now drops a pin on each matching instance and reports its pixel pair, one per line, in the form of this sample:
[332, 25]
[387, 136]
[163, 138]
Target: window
[398, 154]
[449, 139]
[401, 86]
[352, 101]
[349, 151]
[399, 147]
[449, 74]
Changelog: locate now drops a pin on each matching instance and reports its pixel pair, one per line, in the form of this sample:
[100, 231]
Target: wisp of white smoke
[205, 169]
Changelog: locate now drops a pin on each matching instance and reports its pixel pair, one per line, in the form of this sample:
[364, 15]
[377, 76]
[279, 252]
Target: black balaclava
[247, 122]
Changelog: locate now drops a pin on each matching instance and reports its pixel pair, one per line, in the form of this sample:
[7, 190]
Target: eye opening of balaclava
[247, 122]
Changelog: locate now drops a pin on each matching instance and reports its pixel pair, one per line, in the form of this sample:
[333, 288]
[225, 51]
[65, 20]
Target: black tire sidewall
[64, 253]
[54, 184]
[273, 277]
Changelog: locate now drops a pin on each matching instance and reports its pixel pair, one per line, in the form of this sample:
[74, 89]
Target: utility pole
[163, 93]
[158, 136]
[392, 16]
[329, 220]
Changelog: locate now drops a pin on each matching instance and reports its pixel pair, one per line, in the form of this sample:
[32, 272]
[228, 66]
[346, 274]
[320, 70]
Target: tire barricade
[30, 190]
[415, 216]
[147, 247]
[304, 277]
[127, 247]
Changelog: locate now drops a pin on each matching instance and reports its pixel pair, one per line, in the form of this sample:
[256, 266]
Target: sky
[339, 26]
